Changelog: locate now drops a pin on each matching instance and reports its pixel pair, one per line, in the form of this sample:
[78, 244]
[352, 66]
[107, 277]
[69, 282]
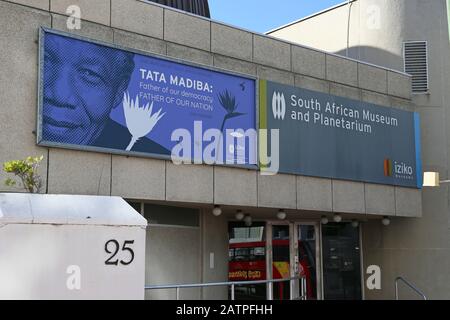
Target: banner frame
[40, 98]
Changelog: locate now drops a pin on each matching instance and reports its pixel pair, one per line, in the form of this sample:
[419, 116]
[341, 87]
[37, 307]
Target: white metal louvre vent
[416, 64]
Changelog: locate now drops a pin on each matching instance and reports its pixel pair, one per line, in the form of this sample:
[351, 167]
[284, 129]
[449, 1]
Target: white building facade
[185, 242]
[409, 36]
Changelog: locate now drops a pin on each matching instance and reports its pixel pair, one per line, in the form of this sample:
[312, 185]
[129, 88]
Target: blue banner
[323, 135]
[97, 97]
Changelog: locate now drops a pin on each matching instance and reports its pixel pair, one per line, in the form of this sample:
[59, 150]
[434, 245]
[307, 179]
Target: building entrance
[328, 257]
[275, 251]
[293, 251]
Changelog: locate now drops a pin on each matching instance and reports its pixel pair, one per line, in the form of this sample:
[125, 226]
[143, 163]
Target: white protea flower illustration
[140, 120]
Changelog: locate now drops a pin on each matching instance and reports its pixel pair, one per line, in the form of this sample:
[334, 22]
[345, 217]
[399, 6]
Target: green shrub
[27, 171]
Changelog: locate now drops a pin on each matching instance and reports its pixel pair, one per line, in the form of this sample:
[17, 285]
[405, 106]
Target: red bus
[247, 262]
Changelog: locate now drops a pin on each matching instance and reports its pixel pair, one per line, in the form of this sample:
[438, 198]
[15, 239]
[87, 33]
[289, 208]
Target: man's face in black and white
[82, 83]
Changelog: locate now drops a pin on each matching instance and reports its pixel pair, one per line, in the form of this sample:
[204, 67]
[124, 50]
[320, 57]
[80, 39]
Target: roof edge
[212, 20]
[311, 16]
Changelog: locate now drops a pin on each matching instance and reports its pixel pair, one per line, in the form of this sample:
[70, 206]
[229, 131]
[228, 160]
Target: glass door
[281, 261]
[307, 252]
[342, 262]
[292, 251]
[247, 259]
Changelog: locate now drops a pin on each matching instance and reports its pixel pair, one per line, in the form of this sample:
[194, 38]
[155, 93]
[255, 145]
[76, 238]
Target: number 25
[115, 245]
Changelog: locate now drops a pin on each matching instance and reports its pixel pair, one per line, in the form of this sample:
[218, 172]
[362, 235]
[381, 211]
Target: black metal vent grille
[416, 64]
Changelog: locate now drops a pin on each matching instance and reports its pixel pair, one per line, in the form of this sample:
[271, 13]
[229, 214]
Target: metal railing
[410, 285]
[233, 285]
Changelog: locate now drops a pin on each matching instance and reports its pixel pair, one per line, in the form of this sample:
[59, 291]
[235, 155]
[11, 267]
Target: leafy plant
[228, 102]
[27, 171]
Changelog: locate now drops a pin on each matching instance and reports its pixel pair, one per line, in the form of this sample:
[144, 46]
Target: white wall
[34, 260]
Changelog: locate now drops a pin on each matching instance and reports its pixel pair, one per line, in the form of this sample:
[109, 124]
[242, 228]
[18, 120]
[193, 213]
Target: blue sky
[264, 15]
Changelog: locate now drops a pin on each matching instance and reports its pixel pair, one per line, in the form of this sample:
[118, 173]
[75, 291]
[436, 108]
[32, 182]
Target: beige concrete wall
[415, 248]
[364, 34]
[419, 249]
[219, 45]
[326, 31]
[19, 89]
[159, 30]
[172, 257]
[215, 243]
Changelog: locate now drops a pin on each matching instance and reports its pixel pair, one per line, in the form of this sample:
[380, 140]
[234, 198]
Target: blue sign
[328, 136]
[97, 97]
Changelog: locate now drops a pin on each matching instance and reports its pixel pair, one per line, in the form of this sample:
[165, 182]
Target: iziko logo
[398, 169]
[387, 168]
[278, 105]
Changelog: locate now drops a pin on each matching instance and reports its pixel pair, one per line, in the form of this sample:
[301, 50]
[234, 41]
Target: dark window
[198, 7]
[341, 262]
[136, 205]
[176, 216]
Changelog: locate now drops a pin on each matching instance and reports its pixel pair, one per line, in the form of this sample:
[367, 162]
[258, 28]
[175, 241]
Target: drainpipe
[349, 3]
[448, 16]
